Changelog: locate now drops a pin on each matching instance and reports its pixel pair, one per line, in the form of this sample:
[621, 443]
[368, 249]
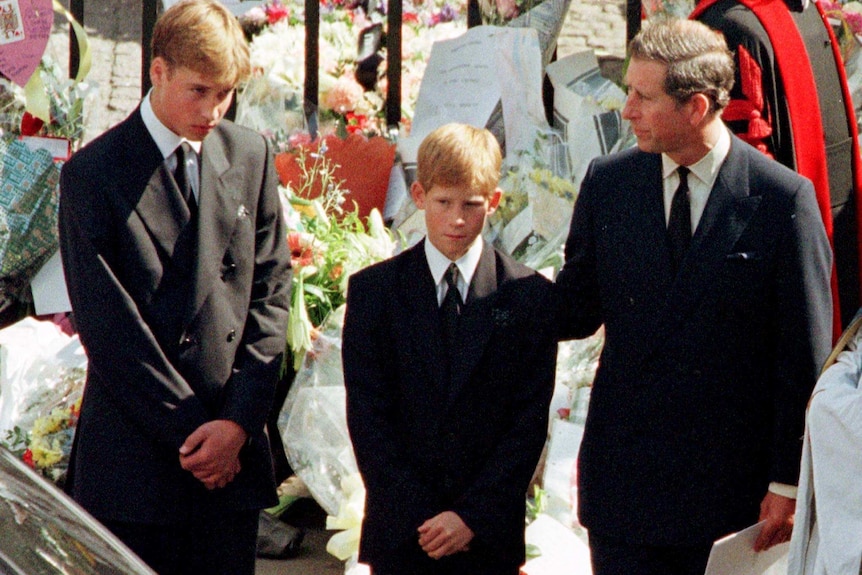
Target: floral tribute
[44, 440]
[352, 63]
[328, 240]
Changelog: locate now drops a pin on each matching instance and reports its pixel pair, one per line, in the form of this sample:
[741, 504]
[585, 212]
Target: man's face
[454, 216]
[658, 121]
[188, 103]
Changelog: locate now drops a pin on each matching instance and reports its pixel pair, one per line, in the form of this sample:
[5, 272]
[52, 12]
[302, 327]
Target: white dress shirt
[168, 142]
[700, 181]
[467, 264]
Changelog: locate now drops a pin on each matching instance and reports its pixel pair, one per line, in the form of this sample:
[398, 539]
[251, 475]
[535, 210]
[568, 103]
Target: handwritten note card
[25, 26]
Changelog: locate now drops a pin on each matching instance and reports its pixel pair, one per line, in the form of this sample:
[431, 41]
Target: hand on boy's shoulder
[444, 534]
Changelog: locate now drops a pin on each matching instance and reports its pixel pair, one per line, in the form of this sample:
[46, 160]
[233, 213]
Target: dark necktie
[450, 309]
[181, 175]
[679, 222]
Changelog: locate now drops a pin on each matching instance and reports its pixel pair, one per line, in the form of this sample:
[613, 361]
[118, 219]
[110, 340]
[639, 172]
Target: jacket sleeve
[576, 294]
[249, 391]
[803, 328]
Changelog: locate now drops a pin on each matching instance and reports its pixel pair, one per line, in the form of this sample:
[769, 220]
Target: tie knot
[452, 276]
[683, 173]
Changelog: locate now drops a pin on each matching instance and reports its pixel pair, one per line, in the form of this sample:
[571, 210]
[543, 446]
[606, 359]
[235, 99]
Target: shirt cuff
[783, 489]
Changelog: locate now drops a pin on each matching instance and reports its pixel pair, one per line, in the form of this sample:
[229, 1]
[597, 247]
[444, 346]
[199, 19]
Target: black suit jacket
[425, 445]
[700, 395]
[182, 323]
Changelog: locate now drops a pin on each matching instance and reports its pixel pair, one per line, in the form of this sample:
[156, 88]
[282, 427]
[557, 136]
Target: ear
[417, 192]
[159, 70]
[700, 108]
[494, 200]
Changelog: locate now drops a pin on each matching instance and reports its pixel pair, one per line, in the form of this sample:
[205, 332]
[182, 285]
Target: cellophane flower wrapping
[42, 374]
[313, 421]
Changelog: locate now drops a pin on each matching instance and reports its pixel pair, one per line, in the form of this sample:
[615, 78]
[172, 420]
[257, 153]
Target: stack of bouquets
[272, 100]
[29, 196]
[42, 375]
[533, 217]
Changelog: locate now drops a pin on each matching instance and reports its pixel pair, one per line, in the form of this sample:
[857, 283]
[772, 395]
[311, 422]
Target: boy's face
[189, 103]
[454, 215]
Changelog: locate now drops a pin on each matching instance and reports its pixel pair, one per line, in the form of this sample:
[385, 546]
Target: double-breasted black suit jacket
[425, 445]
[183, 323]
[700, 395]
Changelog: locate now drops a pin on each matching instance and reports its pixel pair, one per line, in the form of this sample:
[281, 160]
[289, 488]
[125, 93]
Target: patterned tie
[679, 222]
[181, 175]
[450, 309]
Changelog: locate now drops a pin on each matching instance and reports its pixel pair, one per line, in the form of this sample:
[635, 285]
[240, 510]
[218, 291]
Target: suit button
[231, 335]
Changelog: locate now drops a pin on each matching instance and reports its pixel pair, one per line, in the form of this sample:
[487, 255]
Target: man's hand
[777, 511]
[444, 534]
[211, 452]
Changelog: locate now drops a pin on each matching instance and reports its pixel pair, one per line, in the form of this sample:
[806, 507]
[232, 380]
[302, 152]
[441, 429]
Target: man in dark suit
[178, 273]
[447, 402]
[709, 267]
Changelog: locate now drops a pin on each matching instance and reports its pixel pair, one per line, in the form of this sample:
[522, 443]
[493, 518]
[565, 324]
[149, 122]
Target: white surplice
[827, 536]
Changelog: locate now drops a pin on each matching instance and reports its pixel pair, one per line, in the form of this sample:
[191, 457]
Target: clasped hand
[444, 534]
[211, 452]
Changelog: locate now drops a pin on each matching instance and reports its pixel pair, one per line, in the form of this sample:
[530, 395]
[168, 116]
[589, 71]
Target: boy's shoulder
[390, 268]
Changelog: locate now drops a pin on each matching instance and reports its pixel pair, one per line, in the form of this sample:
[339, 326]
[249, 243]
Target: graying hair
[697, 58]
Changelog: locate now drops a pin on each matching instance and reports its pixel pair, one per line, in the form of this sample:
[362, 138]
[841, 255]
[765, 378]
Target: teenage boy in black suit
[179, 275]
[447, 402]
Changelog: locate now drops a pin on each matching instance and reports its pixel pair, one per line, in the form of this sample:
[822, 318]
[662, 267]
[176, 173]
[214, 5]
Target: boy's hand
[444, 534]
[211, 452]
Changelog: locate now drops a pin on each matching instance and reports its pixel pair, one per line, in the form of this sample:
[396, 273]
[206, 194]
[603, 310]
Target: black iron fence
[151, 10]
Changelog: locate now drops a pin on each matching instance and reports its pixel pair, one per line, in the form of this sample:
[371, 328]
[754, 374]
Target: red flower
[28, 458]
[276, 12]
[410, 18]
[356, 123]
[301, 252]
[30, 124]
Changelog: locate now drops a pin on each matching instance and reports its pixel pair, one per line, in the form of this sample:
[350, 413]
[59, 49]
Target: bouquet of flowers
[328, 243]
[42, 375]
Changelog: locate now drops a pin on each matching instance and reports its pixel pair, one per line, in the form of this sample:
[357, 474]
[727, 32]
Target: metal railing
[150, 13]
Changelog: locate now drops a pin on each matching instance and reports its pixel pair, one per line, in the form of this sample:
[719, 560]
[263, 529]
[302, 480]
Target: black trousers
[214, 544]
[612, 556]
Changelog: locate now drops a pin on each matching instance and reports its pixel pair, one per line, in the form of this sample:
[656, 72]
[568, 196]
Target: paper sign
[735, 554]
[25, 26]
[49, 288]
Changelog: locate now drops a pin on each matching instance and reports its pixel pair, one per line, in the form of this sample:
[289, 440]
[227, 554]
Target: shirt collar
[706, 169]
[467, 264]
[165, 139]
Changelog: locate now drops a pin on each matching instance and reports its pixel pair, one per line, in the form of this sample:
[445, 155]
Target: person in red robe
[798, 110]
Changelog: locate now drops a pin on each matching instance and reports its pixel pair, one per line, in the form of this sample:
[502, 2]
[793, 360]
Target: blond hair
[203, 36]
[459, 155]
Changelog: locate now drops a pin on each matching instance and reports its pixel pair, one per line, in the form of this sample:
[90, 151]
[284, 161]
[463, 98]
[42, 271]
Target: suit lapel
[164, 219]
[420, 294]
[475, 324]
[220, 207]
[727, 213]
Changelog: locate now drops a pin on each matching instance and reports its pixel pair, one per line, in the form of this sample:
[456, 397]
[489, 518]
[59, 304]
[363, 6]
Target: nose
[629, 107]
